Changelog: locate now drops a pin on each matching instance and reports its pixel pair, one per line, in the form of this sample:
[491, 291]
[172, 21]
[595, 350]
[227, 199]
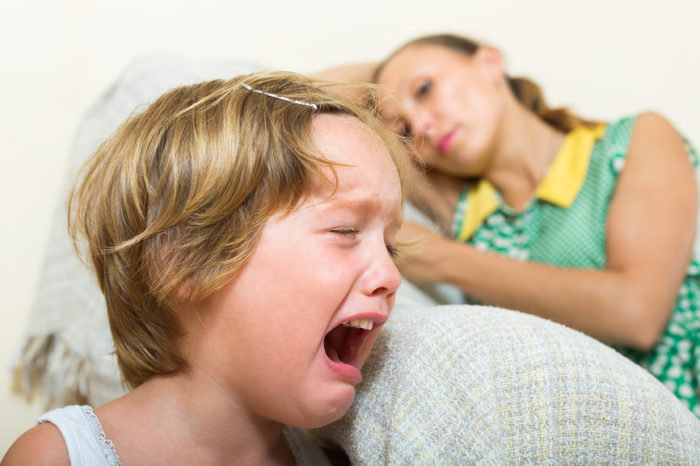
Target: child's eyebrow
[360, 204]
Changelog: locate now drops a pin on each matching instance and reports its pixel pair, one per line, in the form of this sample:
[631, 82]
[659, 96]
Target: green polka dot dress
[564, 225]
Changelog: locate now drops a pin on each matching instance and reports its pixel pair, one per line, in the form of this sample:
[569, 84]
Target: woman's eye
[392, 250]
[405, 131]
[424, 89]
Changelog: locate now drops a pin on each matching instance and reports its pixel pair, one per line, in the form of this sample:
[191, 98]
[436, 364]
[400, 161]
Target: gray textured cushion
[470, 384]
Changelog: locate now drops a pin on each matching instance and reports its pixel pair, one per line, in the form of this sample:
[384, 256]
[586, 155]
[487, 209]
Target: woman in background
[588, 224]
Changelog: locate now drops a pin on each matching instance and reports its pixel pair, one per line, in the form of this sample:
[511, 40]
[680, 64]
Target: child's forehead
[351, 207]
[352, 188]
[360, 168]
[341, 127]
[347, 148]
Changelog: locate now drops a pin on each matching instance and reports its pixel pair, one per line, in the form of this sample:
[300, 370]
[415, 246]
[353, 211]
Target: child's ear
[493, 61]
[189, 292]
[184, 290]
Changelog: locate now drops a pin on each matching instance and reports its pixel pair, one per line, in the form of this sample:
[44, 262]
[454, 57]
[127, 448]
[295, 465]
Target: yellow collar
[565, 177]
[560, 185]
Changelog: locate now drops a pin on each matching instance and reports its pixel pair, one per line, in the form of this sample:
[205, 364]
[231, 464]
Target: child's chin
[329, 408]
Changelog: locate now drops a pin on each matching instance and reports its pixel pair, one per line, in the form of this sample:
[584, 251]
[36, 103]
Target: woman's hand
[420, 263]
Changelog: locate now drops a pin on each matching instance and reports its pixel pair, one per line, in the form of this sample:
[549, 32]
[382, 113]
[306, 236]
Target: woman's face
[449, 102]
[289, 334]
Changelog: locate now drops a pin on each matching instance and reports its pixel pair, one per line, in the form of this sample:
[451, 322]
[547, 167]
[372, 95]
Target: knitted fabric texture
[472, 384]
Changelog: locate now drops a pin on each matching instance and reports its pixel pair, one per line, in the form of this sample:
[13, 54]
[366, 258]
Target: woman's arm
[354, 73]
[650, 232]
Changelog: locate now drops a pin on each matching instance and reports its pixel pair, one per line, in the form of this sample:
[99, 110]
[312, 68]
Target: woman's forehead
[417, 58]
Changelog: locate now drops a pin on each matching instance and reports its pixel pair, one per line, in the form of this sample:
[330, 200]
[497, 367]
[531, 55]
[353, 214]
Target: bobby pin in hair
[276, 96]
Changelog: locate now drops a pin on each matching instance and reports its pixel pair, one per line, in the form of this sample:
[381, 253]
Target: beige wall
[605, 58]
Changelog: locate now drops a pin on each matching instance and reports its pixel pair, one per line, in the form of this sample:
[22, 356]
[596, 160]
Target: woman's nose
[422, 123]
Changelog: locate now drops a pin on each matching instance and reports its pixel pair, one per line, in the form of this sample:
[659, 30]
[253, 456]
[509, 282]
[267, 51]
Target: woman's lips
[445, 142]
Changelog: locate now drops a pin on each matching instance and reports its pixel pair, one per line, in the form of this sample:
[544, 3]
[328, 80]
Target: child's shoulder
[40, 445]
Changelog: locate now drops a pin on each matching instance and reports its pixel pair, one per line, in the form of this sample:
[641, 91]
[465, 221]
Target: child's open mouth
[343, 346]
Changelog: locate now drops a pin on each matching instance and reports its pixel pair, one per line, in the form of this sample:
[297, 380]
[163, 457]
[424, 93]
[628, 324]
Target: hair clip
[276, 96]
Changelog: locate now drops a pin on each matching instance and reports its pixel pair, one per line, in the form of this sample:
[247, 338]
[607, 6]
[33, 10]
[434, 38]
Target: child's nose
[382, 278]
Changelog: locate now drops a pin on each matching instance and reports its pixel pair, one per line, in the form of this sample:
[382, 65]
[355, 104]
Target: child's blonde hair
[170, 207]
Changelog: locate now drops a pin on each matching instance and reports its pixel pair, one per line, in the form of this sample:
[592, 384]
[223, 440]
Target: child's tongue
[334, 343]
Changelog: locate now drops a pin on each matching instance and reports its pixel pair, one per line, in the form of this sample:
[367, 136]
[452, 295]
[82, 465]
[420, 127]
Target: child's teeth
[360, 323]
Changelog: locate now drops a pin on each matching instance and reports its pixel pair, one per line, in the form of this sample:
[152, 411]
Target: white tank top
[84, 436]
[88, 445]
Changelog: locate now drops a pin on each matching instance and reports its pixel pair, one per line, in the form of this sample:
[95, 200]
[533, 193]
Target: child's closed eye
[351, 233]
[346, 231]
